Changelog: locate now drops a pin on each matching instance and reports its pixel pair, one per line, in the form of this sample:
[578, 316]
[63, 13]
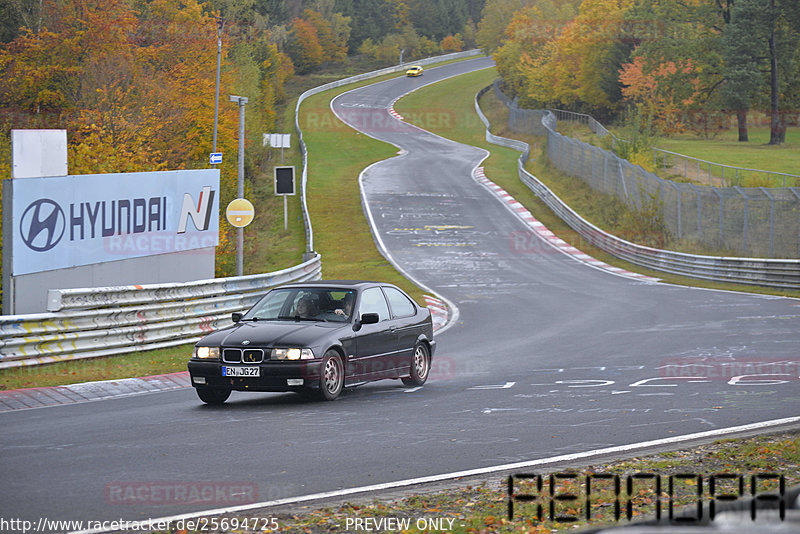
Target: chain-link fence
[743, 221]
[711, 173]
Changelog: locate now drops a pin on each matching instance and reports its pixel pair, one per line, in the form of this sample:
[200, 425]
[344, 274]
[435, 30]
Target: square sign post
[277, 141]
[284, 186]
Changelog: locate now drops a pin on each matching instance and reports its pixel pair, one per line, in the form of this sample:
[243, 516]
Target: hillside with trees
[697, 65]
[133, 81]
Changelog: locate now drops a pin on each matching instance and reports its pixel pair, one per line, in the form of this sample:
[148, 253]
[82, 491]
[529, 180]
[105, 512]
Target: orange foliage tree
[452, 43]
[304, 46]
[573, 65]
[334, 47]
[662, 92]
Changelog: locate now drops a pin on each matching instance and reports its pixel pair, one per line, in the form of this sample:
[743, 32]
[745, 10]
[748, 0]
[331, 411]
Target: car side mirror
[236, 317]
[367, 318]
[370, 318]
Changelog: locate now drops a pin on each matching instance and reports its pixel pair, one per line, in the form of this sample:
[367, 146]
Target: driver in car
[306, 308]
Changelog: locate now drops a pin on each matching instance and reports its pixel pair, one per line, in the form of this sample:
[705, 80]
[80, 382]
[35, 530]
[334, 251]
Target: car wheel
[420, 366]
[331, 379]
[213, 396]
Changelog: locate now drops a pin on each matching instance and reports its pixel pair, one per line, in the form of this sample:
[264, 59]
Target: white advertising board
[69, 221]
[38, 153]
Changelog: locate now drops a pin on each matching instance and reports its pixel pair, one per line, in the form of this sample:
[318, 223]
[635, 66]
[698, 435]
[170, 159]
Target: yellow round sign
[240, 212]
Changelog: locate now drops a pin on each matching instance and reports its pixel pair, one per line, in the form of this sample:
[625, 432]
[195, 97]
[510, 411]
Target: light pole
[220, 23]
[241, 101]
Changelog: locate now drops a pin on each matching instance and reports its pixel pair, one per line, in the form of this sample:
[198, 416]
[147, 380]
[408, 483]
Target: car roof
[352, 284]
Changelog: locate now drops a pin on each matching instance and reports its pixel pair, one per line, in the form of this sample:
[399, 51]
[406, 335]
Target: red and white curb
[392, 112]
[439, 312]
[25, 399]
[549, 237]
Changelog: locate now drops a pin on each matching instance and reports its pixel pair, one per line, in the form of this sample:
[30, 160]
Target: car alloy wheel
[331, 378]
[420, 366]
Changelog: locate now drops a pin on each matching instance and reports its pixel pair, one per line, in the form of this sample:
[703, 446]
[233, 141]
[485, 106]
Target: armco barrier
[87, 323]
[781, 273]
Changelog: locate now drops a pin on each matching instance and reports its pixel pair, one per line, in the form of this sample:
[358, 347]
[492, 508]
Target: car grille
[242, 356]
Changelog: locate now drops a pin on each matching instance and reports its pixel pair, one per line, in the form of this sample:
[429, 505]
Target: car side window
[400, 304]
[373, 301]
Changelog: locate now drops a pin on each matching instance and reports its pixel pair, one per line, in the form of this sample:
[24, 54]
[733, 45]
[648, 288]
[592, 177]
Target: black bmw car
[317, 337]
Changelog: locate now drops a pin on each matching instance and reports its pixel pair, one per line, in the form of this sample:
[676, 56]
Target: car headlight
[206, 353]
[292, 354]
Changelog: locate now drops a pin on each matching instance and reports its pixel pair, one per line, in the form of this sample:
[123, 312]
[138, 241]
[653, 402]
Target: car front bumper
[274, 376]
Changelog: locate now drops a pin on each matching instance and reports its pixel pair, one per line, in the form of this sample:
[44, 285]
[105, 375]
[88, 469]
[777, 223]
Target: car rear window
[400, 304]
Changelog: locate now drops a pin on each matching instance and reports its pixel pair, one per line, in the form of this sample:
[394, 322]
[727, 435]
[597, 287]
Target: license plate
[241, 371]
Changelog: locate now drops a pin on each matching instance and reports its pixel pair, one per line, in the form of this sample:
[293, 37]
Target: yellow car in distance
[415, 70]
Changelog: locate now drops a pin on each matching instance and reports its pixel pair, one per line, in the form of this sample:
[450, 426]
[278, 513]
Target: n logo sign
[201, 216]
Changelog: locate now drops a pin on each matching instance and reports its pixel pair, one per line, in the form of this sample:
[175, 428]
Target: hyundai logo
[42, 225]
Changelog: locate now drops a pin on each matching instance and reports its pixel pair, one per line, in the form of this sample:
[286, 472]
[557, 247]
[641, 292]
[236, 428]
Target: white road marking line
[507, 385]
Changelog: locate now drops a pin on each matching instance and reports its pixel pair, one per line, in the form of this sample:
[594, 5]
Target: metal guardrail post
[746, 212]
[721, 215]
[797, 196]
[699, 211]
[679, 202]
[771, 219]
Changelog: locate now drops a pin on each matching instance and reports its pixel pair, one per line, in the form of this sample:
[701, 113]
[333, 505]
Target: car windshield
[304, 304]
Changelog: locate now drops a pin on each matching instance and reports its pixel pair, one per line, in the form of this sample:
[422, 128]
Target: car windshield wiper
[256, 319]
[298, 318]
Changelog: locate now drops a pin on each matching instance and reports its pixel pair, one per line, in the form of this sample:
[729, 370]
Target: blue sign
[215, 158]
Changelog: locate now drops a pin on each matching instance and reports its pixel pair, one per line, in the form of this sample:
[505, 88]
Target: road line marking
[507, 385]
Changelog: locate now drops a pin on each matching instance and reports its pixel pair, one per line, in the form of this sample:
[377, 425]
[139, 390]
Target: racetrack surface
[548, 356]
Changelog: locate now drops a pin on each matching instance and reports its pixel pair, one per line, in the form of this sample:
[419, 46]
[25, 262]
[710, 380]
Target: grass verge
[151, 362]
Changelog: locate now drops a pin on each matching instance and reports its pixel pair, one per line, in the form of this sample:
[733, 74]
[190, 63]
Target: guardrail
[764, 272]
[340, 83]
[93, 322]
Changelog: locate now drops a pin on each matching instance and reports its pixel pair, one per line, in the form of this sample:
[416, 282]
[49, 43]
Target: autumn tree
[438, 18]
[742, 76]
[494, 21]
[530, 42]
[303, 46]
[452, 43]
[762, 41]
[371, 19]
[332, 32]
